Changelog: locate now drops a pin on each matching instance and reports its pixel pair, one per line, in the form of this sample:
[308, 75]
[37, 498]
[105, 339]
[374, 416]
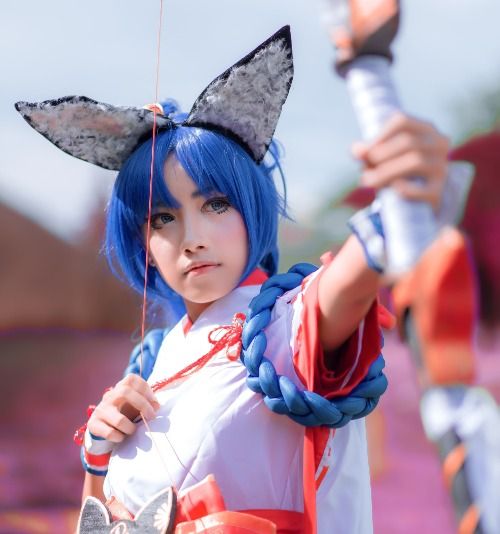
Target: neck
[195, 309]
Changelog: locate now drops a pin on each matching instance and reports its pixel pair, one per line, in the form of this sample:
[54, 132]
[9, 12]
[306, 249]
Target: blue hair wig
[215, 163]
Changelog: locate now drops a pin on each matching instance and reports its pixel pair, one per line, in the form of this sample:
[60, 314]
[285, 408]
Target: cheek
[237, 228]
[159, 248]
[236, 235]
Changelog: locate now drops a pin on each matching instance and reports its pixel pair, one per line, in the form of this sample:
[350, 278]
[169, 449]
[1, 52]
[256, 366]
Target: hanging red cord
[155, 110]
[230, 340]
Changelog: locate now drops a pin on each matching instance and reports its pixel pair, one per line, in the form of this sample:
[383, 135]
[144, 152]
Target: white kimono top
[212, 423]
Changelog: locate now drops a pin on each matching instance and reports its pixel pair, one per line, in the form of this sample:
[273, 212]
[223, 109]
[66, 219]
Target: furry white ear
[245, 101]
[96, 132]
[157, 516]
[94, 517]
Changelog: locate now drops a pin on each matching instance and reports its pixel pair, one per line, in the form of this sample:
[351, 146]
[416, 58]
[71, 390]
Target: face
[200, 248]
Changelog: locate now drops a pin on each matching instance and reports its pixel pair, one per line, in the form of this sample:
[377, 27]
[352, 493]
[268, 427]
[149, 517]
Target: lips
[200, 267]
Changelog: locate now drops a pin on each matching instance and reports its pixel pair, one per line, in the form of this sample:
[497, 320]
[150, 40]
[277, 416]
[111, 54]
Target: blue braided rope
[280, 393]
[151, 346]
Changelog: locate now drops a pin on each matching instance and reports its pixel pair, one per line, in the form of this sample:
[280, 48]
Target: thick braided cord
[150, 347]
[280, 393]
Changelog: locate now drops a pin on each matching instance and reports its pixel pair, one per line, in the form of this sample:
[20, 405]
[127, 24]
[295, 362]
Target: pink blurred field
[48, 380]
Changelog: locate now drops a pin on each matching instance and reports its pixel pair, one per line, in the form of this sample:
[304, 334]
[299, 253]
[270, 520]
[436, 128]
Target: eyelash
[157, 225]
[156, 219]
[223, 200]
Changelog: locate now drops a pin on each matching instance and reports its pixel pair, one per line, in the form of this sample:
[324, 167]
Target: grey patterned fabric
[157, 516]
[244, 103]
[92, 131]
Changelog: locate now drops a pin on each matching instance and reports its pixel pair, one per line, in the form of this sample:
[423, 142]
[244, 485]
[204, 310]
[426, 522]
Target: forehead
[181, 186]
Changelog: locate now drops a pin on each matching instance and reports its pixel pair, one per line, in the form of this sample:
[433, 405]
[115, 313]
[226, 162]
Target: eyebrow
[197, 193]
[205, 193]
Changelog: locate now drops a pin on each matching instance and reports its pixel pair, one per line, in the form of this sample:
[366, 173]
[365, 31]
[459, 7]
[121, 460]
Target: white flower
[161, 518]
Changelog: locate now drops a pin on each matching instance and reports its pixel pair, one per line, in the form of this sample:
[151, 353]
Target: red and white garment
[212, 423]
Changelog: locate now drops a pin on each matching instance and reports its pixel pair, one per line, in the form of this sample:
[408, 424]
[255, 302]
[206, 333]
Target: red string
[230, 340]
[79, 434]
[150, 206]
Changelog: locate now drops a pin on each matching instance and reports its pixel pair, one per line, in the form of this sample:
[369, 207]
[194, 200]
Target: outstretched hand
[113, 416]
[406, 148]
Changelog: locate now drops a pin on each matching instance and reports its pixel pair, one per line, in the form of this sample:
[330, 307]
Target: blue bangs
[215, 163]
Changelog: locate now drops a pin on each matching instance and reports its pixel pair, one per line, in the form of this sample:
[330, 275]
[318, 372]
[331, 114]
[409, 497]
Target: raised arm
[407, 147]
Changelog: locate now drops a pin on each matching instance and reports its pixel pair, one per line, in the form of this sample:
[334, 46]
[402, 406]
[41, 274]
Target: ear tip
[285, 30]
[20, 105]
[284, 33]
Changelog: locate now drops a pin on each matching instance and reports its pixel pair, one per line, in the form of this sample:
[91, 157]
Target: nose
[194, 238]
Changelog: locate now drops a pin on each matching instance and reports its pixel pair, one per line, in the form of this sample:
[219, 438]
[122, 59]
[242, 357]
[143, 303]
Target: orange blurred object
[377, 443]
[440, 294]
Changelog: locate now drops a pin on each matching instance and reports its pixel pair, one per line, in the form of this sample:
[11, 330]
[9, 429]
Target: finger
[359, 150]
[120, 422]
[141, 386]
[391, 148]
[430, 192]
[131, 403]
[103, 430]
[113, 417]
[400, 122]
[127, 401]
[408, 165]
[119, 395]
[431, 144]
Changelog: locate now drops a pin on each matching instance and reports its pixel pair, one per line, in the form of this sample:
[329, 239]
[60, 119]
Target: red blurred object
[440, 295]
[359, 198]
[202, 499]
[227, 523]
[202, 510]
[481, 220]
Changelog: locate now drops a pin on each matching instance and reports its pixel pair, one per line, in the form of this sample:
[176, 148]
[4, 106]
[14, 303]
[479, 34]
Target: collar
[256, 278]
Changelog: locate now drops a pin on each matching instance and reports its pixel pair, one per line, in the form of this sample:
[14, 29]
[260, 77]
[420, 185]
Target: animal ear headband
[244, 103]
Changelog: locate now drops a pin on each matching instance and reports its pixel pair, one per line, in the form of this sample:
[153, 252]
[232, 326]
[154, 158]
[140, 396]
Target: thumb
[359, 151]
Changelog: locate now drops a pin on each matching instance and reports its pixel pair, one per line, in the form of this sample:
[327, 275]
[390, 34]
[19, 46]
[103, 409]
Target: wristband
[95, 464]
[95, 451]
[366, 225]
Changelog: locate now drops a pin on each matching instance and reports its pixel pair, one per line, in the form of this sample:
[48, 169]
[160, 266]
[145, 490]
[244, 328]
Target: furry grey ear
[92, 131]
[245, 101]
[157, 516]
[94, 517]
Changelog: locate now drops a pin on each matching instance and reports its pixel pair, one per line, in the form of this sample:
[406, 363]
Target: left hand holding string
[406, 148]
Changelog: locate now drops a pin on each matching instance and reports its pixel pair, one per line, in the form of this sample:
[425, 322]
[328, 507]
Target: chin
[208, 296]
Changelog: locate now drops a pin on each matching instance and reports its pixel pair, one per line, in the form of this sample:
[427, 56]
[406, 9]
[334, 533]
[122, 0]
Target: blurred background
[67, 326]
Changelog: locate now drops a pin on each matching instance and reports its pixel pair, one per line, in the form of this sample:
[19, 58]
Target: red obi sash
[201, 510]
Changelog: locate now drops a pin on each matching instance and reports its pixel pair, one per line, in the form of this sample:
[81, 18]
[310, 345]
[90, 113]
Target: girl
[206, 248]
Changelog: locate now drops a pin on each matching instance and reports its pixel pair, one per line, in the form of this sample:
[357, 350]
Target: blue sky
[447, 50]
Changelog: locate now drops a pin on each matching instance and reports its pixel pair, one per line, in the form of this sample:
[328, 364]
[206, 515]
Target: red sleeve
[347, 365]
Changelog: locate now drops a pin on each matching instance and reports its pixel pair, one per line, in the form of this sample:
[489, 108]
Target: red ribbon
[80, 432]
[231, 340]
